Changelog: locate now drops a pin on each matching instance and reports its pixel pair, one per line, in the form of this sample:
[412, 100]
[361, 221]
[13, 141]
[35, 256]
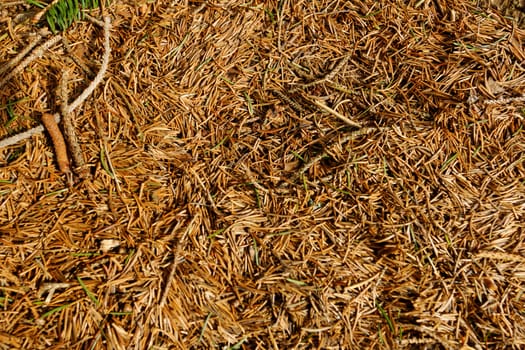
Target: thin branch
[63, 93]
[174, 263]
[336, 113]
[39, 51]
[100, 75]
[337, 69]
[171, 276]
[13, 3]
[21, 55]
[13, 140]
[296, 106]
[505, 100]
[94, 20]
[70, 108]
[71, 136]
[69, 128]
[328, 78]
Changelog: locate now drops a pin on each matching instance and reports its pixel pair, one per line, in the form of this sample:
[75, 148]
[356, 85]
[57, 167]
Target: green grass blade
[88, 292]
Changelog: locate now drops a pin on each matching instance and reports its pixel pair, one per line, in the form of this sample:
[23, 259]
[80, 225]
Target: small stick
[296, 106]
[100, 75]
[328, 78]
[505, 100]
[171, 276]
[174, 263]
[94, 20]
[58, 141]
[21, 55]
[39, 51]
[337, 68]
[69, 128]
[13, 140]
[14, 3]
[336, 113]
[500, 256]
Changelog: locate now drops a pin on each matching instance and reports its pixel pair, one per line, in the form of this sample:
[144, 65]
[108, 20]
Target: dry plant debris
[58, 141]
[270, 175]
[21, 61]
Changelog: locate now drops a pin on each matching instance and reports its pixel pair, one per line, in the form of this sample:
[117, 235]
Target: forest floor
[268, 175]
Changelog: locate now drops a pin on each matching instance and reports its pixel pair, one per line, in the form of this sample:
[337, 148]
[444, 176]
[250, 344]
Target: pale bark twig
[13, 140]
[39, 51]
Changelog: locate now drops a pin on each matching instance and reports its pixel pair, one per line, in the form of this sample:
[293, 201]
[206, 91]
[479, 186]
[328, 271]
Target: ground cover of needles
[270, 175]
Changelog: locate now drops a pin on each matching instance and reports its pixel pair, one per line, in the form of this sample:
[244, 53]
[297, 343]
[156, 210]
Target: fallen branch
[22, 54]
[13, 3]
[69, 128]
[39, 51]
[42, 12]
[101, 72]
[13, 140]
[505, 100]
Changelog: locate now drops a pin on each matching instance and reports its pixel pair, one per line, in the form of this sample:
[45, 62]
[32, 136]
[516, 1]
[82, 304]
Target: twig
[63, 93]
[500, 256]
[13, 3]
[66, 109]
[505, 100]
[206, 189]
[71, 136]
[70, 108]
[100, 75]
[21, 55]
[74, 58]
[9, 141]
[336, 113]
[296, 106]
[39, 51]
[337, 68]
[94, 20]
[58, 141]
[69, 128]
